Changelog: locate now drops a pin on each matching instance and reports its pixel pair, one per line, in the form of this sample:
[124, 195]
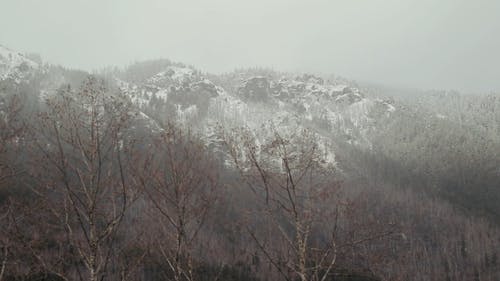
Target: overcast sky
[445, 44]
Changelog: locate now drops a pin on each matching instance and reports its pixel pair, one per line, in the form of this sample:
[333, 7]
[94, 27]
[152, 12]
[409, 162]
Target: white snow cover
[173, 73]
[14, 65]
[331, 111]
[293, 105]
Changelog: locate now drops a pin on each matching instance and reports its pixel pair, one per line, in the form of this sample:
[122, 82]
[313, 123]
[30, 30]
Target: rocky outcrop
[255, 89]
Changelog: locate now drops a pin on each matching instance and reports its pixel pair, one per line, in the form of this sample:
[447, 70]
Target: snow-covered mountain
[354, 129]
[15, 66]
[261, 104]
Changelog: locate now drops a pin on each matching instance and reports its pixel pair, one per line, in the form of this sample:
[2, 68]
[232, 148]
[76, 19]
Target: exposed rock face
[348, 97]
[255, 89]
[309, 78]
[197, 93]
[173, 76]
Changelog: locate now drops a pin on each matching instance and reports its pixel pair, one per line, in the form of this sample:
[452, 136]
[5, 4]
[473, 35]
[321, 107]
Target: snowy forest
[238, 140]
[159, 171]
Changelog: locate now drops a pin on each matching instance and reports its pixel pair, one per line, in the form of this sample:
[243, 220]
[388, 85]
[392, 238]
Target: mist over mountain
[423, 44]
[160, 171]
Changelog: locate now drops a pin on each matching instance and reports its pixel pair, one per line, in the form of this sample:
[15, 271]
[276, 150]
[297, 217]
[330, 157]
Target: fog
[446, 44]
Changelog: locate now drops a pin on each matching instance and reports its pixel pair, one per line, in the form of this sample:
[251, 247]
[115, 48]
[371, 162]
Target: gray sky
[447, 44]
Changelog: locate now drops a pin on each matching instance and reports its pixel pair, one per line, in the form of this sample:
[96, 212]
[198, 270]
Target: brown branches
[294, 190]
[11, 131]
[181, 184]
[83, 148]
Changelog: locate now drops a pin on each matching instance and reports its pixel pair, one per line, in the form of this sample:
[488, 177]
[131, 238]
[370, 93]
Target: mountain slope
[15, 66]
[264, 105]
[426, 174]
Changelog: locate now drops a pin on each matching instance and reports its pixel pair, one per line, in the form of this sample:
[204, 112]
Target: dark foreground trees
[301, 228]
[83, 148]
[181, 185]
[11, 131]
[113, 200]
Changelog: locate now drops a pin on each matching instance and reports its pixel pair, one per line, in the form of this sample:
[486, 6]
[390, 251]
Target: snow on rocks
[15, 66]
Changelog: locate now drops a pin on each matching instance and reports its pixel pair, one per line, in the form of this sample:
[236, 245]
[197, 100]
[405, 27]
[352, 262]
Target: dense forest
[161, 172]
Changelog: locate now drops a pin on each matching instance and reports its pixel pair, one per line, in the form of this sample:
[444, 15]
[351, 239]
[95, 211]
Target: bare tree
[181, 184]
[85, 146]
[286, 175]
[301, 229]
[5, 243]
[11, 131]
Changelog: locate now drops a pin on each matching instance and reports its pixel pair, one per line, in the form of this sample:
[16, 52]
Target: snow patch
[15, 66]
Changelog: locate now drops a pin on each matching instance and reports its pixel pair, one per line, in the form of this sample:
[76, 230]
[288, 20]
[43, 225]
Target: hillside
[249, 173]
